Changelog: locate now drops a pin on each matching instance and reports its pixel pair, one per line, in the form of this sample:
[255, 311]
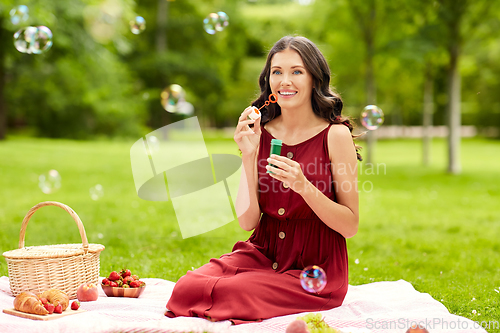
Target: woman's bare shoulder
[340, 141]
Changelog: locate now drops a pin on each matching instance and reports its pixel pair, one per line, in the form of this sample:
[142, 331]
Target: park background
[430, 217]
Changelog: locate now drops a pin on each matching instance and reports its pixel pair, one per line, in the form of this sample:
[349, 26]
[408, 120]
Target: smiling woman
[301, 213]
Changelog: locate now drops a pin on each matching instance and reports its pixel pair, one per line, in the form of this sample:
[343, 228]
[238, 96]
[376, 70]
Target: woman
[301, 212]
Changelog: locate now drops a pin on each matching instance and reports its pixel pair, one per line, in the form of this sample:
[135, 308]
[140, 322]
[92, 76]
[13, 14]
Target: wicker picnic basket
[64, 267]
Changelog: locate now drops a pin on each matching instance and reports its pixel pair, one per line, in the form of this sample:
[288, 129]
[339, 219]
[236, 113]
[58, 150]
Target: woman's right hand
[245, 137]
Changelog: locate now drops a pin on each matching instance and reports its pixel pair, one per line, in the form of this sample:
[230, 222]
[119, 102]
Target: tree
[79, 87]
[460, 19]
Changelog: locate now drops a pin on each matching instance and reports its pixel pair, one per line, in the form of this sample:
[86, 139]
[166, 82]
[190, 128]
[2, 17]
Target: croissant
[56, 297]
[28, 302]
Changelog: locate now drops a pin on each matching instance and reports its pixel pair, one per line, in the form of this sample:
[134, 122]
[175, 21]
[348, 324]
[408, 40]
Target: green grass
[420, 224]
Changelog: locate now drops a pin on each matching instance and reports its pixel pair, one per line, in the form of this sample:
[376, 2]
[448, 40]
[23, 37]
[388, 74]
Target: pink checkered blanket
[390, 306]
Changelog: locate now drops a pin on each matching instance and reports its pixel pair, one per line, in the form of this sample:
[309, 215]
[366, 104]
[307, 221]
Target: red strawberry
[75, 305]
[135, 277]
[49, 307]
[127, 280]
[125, 272]
[125, 286]
[105, 282]
[58, 309]
[113, 284]
[113, 276]
[43, 300]
[135, 284]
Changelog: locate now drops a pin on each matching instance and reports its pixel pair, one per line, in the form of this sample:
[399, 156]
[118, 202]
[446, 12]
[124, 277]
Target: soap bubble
[33, 39]
[211, 23]
[153, 144]
[102, 22]
[19, 14]
[372, 117]
[96, 192]
[185, 108]
[49, 182]
[215, 22]
[313, 279]
[138, 25]
[223, 21]
[171, 96]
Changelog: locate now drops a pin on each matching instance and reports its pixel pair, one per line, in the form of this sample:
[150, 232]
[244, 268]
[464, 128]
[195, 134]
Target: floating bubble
[138, 25]
[43, 40]
[153, 144]
[49, 182]
[96, 192]
[171, 96]
[185, 108]
[19, 14]
[223, 21]
[372, 117]
[211, 24]
[34, 40]
[313, 279]
[102, 21]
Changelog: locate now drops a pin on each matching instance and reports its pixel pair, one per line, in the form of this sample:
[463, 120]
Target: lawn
[434, 230]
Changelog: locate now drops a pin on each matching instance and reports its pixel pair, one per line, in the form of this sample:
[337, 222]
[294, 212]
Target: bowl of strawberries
[123, 284]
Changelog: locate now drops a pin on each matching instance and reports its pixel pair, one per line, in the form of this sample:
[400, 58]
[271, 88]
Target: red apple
[297, 326]
[87, 292]
[417, 329]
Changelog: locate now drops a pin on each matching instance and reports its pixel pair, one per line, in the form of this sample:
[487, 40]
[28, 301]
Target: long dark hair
[326, 103]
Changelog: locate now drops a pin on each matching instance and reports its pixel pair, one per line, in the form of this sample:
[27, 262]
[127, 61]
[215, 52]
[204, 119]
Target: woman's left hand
[287, 171]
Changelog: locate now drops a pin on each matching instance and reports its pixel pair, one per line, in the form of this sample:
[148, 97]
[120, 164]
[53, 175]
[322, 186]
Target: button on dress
[260, 279]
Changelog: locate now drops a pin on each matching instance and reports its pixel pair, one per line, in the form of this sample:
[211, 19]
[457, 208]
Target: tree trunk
[161, 31]
[454, 112]
[427, 115]
[371, 90]
[3, 107]
[161, 42]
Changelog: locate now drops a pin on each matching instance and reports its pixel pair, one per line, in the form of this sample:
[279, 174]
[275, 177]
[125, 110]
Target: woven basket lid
[51, 251]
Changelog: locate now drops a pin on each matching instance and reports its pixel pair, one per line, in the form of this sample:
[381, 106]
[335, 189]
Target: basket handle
[71, 212]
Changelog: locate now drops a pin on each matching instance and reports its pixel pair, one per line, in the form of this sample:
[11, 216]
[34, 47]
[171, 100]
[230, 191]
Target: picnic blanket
[389, 306]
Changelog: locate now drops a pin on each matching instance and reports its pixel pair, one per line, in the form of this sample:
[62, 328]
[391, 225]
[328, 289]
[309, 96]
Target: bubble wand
[273, 98]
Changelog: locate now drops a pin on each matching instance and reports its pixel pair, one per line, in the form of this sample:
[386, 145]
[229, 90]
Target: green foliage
[76, 89]
[93, 84]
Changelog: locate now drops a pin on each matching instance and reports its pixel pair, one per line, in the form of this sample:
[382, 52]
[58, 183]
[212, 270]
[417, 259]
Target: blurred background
[419, 61]
[75, 96]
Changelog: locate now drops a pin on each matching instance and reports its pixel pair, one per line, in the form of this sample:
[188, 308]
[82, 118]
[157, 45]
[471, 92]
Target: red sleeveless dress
[260, 278]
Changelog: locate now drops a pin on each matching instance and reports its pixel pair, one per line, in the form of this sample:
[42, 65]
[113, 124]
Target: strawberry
[135, 284]
[127, 280]
[43, 300]
[58, 309]
[50, 307]
[113, 284]
[105, 282]
[113, 276]
[75, 305]
[125, 286]
[125, 272]
[135, 277]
